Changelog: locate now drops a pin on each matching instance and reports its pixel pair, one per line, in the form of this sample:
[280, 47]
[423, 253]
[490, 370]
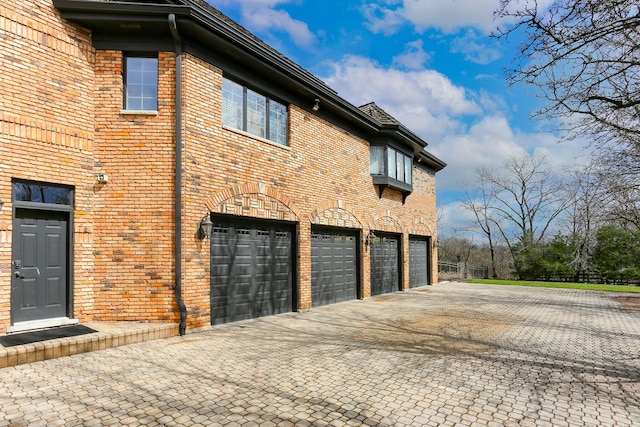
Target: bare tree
[620, 188]
[586, 212]
[478, 200]
[584, 58]
[521, 201]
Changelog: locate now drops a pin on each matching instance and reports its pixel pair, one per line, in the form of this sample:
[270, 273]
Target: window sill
[139, 112]
[257, 138]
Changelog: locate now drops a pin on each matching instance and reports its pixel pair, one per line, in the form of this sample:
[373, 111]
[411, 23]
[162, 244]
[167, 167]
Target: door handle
[19, 275]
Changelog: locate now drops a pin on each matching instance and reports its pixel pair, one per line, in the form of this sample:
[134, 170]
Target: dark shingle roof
[379, 114]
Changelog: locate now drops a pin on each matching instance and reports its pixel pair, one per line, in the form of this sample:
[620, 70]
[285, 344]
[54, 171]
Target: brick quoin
[62, 122]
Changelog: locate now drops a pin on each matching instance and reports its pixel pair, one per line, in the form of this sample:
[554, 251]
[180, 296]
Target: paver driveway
[453, 354]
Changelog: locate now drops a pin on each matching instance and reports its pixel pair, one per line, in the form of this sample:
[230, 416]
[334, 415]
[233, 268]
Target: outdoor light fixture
[205, 226]
[102, 178]
[1, 203]
[368, 240]
[316, 106]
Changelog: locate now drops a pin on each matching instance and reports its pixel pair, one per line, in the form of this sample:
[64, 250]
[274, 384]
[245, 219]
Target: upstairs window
[391, 168]
[390, 163]
[140, 83]
[253, 113]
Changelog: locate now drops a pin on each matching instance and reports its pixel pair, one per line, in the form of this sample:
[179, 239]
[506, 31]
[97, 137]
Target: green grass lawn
[610, 288]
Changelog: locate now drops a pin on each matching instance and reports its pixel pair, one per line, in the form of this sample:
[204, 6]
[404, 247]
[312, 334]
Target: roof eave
[74, 9]
[89, 12]
[431, 161]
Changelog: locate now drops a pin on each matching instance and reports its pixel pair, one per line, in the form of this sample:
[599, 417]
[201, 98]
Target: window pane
[150, 99]
[141, 81]
[41, 193]
[376, 157]
[232, 100]
[400, 166]
[134, 104]
[408, 162]
[135, 64]
[391, 163]
[277, 122]
[256, 114]
[134, 92]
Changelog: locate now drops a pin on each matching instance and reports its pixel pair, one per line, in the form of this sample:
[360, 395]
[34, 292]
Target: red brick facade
[62, 122]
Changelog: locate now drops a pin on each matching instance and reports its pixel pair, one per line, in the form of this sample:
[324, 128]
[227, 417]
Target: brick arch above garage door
[257, 200]
[421, 227]
[337, 214]
[386, 222]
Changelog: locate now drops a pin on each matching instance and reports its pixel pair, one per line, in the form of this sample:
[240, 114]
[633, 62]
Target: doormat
[44, 335]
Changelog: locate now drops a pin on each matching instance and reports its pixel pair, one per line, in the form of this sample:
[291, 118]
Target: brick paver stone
[451, 354]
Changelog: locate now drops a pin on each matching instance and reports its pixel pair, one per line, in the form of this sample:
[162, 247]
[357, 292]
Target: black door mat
[44, 335]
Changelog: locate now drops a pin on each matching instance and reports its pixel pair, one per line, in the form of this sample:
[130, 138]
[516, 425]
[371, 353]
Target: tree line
[530, 222]
[583, 59]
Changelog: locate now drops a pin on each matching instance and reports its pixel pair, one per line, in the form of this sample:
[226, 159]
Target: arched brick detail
[421, 228]
[386, 222]
[256, 200]
[337, 214]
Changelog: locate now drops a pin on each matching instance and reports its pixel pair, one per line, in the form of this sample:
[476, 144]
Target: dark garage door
[251, 269]
[334, 260]
[418, 261]
[385, 275]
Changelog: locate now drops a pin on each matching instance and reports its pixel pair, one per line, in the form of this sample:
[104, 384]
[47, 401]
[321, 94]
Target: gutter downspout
[173, 27]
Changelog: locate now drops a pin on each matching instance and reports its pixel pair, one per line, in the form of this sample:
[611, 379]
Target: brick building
[260, 191]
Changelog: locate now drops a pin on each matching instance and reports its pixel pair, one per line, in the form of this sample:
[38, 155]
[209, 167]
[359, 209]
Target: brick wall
[134, 262]
[46, 128]
[62, 122]
[321, 178]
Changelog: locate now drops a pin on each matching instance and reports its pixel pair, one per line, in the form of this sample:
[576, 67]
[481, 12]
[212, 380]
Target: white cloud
[381, 19]
[264, 19]
[451, 15]
[446, 15]
[488, 143]
[426, 101]
[263, 16]
[413, 58]
[453, 220]
[473, 19]
[479, 53]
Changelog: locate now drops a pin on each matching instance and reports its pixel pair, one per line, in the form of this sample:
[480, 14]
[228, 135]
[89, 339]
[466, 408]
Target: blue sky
[429, 63]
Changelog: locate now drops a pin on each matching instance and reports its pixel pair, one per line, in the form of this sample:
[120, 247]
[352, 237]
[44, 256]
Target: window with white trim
[140, 83]
[254, 113]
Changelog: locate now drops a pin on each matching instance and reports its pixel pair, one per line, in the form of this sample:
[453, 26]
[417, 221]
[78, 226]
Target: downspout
[178, 196]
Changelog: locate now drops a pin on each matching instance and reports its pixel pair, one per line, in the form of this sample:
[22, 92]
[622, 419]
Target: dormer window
[391, 168]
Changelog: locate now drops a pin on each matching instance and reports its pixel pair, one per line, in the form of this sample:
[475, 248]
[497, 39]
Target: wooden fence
[461, 270]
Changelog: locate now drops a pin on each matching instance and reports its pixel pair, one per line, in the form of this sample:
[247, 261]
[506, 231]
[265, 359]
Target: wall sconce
[102, 178]
[205, 227]
[368, 240]
[1, 203]
[316, 106]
